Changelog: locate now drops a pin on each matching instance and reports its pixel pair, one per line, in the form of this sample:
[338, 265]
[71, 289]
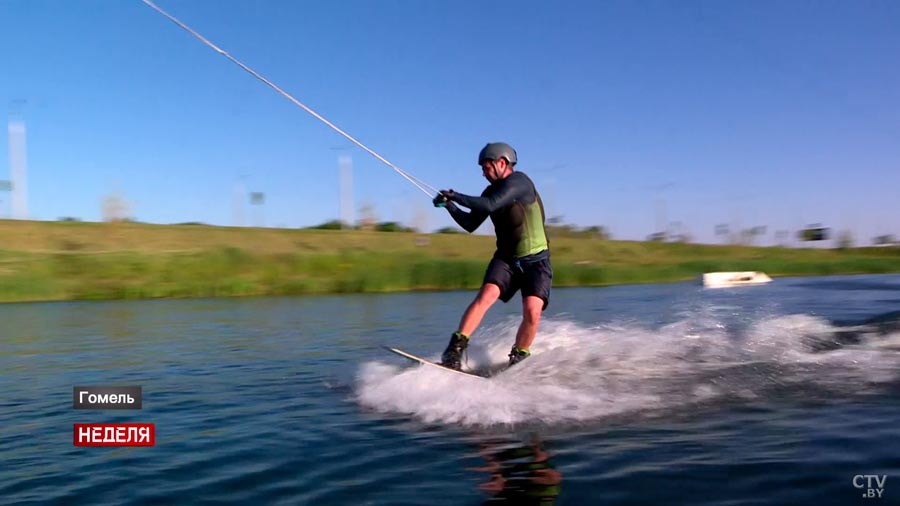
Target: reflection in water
[519, 473]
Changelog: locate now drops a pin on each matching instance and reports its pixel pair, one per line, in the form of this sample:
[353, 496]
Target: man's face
[493, 170]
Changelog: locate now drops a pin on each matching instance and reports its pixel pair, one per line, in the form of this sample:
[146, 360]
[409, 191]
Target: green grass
[84, 261]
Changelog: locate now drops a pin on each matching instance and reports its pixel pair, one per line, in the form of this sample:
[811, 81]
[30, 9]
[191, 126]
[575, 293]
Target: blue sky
[627, 115]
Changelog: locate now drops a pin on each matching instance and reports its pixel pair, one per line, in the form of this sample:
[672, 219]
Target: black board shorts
[532, 274]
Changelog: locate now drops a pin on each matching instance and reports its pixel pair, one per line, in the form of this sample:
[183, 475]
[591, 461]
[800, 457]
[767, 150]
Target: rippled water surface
[663, 394]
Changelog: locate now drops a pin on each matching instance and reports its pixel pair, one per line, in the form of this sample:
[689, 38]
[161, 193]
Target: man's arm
[512, 189]
[468, 221]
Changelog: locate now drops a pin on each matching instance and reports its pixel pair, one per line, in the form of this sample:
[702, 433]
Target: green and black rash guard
[515, 209]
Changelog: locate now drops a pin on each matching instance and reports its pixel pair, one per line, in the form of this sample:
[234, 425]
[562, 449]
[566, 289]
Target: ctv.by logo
[872, 483]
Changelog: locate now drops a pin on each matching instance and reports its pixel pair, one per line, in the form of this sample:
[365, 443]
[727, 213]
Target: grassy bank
[64, 261]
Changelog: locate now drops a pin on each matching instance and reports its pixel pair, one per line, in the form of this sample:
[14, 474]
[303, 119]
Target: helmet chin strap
[495, 172]
[507, 169]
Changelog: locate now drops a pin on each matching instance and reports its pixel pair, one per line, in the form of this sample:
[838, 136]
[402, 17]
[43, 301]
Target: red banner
[114, 434]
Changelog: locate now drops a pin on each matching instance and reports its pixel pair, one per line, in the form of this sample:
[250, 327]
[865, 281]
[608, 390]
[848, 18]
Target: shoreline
[68, 261]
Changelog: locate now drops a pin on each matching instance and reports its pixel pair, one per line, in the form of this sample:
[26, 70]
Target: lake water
[657, 394]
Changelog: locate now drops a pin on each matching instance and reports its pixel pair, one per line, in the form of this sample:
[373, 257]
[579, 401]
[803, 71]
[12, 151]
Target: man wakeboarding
[522, 259]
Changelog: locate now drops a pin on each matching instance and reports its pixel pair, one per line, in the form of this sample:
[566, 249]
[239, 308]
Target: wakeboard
[427, 362]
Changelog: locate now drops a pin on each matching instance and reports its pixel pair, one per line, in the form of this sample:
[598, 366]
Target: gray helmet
[497, 150]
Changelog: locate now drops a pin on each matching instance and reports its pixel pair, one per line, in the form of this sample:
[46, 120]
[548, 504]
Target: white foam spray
[578, 373]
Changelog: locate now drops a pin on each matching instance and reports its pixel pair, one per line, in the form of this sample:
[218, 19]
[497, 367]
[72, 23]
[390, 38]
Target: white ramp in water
[729, 279]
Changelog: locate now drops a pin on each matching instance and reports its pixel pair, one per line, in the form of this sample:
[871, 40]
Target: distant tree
[392, 226]
[749, 235]
[781, 237]
[814, 233]
[598, 232]
[328, 225]
[572, 231]
[722, 230]
[115, 208]
[657, 237]
[448, 230]
[884, 240]
[69, 219]
[367, 218]
[845, 239]
[560, 230]
[678, 232]
[683, 237]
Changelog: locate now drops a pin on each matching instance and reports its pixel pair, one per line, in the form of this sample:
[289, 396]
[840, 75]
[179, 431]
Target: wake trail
[578, 373]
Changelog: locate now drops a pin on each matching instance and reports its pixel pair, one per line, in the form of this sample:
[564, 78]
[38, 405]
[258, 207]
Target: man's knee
[531, 310]
[488, 294]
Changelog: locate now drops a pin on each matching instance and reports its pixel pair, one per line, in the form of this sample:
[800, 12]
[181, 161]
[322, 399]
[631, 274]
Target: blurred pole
[5, 187]
[258, 201]
[345, 175]
[238, 199]
[662, 219]
[18, 166]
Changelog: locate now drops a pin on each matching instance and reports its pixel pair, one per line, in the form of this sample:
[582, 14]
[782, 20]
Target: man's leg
[531, 316]
[459, 341]
[486, 297]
